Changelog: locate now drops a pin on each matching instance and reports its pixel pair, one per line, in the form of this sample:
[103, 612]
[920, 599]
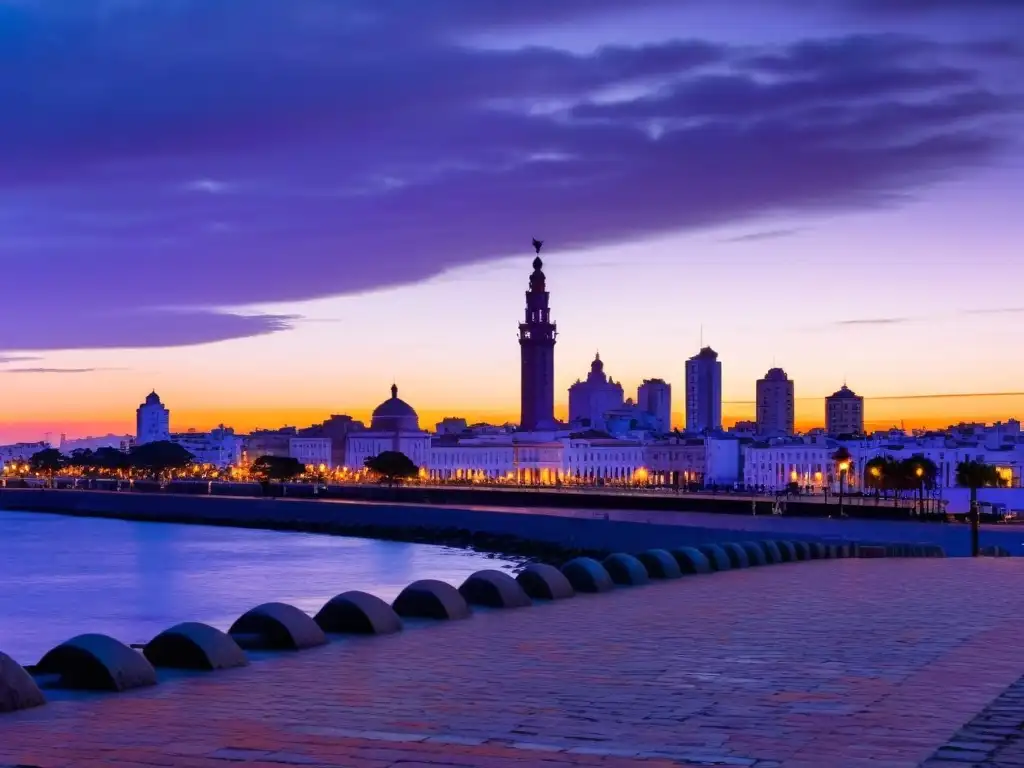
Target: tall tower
[704, 391]
[152, 421]
[537, 353]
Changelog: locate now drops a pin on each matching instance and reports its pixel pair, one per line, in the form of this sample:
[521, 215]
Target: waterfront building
[706, 460]
[704, 392]
[537, 336]
[219, 447]
[336, 429]
[152, 421]
[844, 413]
[451, 426]
[267, 442]
[394, 426]
[806, 461]
[776, 406]
[654, 397]
[311, 451]
[590, 400]
[117, 442]
[743, 428]
[21, 451]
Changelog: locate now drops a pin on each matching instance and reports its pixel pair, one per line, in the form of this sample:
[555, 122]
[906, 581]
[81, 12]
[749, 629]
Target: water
[63, 576]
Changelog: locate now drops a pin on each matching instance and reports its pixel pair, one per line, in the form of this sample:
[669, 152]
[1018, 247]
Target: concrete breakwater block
[192, 645]
[872, 551]
[660, 564]
[431, 599]
[276, 627]
[97, 663]
[494, 589]
[587, 575]
[819, 551]
[626, 570]
[803, 550]
[787, 550]
[755, 555]
[17, 688]
[934, 550]
[358, 613]
[545, 582]
[737, 555]
[716, 556]
[771, 551]
[691, 560]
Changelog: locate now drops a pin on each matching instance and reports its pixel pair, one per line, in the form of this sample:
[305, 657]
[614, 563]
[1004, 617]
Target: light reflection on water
[62, 576]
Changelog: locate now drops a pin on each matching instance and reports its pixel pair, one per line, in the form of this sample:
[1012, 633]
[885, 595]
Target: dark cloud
[209, 154]
[56, 370]
[8, 359]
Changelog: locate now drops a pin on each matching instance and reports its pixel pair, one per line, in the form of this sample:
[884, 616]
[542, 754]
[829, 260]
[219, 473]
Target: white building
[806, 461]
[117, 442]
[219, 447]
[704, 392]
[705, 461]
[394, 426]
[20, 452]
[315, 451]
[590, 400]
[844, 413]
[654, 397]
[776, 405]
[152, 421]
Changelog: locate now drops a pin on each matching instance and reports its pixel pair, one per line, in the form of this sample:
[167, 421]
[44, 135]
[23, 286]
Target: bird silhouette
[537, 244]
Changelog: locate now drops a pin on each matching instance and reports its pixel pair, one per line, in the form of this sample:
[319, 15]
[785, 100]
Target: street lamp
[919, 471]
[844, 467]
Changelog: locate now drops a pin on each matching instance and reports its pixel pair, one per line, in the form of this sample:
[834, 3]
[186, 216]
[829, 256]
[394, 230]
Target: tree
[844, 464]
[875, 474]
[112, 459]
[974, 475]
[47, 462]
[918, 473]
[280, 468]
[158, 458]
[392, 466]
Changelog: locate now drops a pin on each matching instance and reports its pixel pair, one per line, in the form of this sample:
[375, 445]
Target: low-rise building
[311, 451]
[219, 447]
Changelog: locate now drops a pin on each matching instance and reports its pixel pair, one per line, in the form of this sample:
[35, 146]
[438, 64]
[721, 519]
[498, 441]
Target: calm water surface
[62, 576]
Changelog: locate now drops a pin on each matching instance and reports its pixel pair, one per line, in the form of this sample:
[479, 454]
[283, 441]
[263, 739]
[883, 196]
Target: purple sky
[181, 172]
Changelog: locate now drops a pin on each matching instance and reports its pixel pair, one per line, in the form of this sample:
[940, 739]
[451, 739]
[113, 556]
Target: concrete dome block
[737, 555]
[494, 589]
[276, 627]
[787, 550]
[545, 582]
[97, 663]
[691, 560]
[17, 688]
[716, 556]
[587, 575]
[626, 570]
[771, 551]
[819, 551]
[755, 555]
[660, 564]
[431, 599]
[358, 613]
[192, 645]
[934, 550]
[803, 550]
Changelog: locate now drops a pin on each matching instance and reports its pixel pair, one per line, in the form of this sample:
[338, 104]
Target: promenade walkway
[823, 664]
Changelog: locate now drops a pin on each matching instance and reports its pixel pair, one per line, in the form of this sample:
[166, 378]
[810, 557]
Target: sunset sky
[268, 210]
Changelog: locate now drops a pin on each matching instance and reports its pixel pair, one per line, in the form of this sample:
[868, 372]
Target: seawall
[506, 530]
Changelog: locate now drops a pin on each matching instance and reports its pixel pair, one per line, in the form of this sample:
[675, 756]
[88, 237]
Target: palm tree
[974, 475]
[842, 458]
[874, 475]
[919, 472]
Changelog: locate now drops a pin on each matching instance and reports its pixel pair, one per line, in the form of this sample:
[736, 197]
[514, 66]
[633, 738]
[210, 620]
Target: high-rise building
[654, 396]
[844, 413]
[590, 400]
[704, 391]
[776, 408]
[537, 354]
[152, 421]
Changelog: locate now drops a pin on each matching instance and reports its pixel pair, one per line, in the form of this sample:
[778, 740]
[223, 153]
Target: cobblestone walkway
[826, 664]
[994, 739]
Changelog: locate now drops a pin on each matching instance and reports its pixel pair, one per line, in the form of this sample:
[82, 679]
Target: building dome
[394, 415]
[153, 398]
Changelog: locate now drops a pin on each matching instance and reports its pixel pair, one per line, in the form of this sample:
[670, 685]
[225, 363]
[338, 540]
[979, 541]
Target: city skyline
[260, 272]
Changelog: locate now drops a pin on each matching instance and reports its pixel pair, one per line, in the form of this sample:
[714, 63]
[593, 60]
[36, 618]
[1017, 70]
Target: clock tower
[537, 354]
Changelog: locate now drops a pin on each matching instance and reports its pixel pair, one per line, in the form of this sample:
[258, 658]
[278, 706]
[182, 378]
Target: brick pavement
[834, 664]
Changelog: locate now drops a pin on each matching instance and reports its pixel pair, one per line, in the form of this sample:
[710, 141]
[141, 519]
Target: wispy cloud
[58, 370]
[874, 321]
[926, 396]
[209, 186]
[5, 359]
[995, 311]
[770, 234]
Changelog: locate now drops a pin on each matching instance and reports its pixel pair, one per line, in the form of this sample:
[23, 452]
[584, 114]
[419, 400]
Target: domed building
[590, 400]
[152, 421]
[394, 426]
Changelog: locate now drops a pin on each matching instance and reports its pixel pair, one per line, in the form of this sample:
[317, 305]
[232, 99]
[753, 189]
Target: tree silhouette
[975, 475]
[279, 468]
[392, 466]
[47, 462]
[160, 457]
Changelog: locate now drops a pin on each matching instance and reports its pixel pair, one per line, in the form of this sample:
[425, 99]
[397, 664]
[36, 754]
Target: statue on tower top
[537, 245]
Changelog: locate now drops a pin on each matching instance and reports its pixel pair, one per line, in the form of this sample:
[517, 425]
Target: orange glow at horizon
[929, 412]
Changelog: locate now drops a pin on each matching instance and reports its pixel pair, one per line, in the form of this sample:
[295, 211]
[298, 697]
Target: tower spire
[537, 353]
